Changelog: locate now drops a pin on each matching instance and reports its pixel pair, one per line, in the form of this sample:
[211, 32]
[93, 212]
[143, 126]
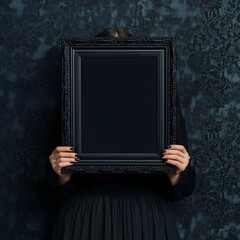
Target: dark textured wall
[207, 33]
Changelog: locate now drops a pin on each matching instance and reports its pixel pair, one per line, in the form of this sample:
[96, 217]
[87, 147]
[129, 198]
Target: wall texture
[207, 34]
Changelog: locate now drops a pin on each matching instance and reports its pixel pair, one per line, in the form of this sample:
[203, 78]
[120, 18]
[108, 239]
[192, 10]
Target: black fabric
[117, 207]
[115, 212]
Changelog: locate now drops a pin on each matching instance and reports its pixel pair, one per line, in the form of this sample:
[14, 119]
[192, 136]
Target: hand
[177, 156]
[62, 156]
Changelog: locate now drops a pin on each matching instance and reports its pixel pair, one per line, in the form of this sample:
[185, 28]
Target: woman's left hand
[177, 156]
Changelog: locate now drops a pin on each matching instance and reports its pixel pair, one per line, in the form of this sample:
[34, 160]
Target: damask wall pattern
[208, 50]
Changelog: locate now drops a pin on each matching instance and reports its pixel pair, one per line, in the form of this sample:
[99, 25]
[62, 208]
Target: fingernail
[169, 146]
[76, 155]
[72, 148]
[163, 151]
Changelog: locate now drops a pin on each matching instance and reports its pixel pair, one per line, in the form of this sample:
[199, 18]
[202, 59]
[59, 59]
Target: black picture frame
[119, 103]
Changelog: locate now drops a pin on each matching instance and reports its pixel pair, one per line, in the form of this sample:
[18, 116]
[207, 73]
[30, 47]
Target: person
[125, 206]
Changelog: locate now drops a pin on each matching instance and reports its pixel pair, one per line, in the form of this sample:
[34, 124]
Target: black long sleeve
[186, 183]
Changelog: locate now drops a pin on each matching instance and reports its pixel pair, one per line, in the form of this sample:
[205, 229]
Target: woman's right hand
[62, 156]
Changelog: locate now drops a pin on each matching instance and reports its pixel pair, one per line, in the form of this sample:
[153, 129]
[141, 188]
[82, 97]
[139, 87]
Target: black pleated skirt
[116, 213]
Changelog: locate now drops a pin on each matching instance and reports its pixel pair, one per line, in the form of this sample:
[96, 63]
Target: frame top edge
[119, 41]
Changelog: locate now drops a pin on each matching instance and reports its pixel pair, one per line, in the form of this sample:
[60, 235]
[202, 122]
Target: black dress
[121, 207]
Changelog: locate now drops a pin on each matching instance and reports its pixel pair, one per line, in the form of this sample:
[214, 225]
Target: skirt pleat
[116, 213]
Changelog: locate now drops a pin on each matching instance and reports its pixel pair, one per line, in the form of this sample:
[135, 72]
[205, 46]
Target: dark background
[207, 34]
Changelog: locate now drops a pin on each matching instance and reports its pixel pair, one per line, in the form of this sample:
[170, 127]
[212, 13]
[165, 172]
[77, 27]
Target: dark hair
[114, 32]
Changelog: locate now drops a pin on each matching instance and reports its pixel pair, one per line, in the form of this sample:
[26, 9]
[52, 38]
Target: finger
[178, 147]
[65, 155]
[170, 152]
[175, 158]
[174, 152]
[58, 164]
[57, 157]
[67, 159]
[64, 164]
[184, 160]
[59, 149]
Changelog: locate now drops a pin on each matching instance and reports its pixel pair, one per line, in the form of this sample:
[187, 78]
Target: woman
[121, 206]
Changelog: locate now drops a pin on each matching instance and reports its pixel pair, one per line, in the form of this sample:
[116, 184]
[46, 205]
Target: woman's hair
[114, 32]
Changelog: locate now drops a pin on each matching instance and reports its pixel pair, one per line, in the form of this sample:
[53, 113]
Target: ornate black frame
[120, 163]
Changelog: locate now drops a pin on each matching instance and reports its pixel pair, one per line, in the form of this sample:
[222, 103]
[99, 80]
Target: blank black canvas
[119, 107]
